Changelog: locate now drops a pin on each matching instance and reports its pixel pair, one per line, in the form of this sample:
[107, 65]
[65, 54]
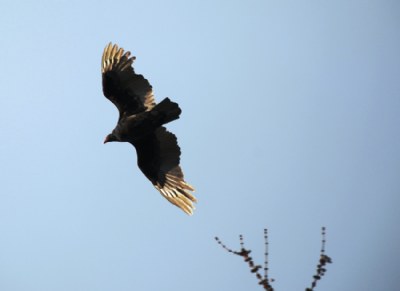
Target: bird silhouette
[141, 123]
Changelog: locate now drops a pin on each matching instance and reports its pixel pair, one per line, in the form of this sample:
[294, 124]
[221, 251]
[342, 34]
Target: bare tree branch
[264, 280]
[324, 259]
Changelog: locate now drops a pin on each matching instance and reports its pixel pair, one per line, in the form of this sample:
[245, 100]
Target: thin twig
[245, 254]
[323, 260]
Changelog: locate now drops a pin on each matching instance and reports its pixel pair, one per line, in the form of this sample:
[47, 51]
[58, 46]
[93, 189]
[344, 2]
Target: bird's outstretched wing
[158, 158]
[131, 93]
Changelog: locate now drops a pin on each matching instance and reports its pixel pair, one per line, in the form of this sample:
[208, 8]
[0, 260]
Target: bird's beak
[105, 140]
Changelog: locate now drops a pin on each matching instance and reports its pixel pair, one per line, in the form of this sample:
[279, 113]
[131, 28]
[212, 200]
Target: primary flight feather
[141, 123]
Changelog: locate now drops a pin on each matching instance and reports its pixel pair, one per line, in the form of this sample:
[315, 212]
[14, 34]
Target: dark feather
[158, 158]
[130, 92]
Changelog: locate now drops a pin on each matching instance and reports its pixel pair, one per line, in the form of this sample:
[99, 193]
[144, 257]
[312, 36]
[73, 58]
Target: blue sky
[290, 121]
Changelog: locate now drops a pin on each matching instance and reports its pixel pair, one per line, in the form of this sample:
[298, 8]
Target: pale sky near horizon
[291, 121]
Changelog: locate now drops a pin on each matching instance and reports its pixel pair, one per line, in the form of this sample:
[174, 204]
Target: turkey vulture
[141, 123]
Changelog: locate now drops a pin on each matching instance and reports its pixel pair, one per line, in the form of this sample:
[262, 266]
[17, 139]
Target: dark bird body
[141, 123]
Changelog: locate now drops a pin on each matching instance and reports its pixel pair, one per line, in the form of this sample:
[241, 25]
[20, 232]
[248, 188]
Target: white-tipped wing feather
[158, 158]
[130, 92]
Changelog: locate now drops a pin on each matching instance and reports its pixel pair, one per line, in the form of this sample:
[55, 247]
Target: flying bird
[141, 123]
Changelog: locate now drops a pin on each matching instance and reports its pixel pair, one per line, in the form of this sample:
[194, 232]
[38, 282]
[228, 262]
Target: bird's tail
[168, 109]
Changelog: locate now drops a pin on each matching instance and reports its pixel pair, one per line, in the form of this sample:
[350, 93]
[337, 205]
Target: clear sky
[291, 121]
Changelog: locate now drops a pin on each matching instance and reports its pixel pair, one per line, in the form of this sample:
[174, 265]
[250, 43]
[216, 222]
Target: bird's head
[110, 137]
